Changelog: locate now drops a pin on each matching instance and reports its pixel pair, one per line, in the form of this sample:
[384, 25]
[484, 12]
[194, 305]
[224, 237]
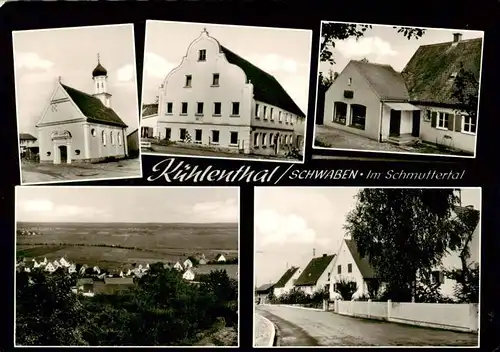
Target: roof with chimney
[430, 73]
[383, 79]
[26, 137]
[93, 108]
[314, 270]
[286, 277]
[362, 263]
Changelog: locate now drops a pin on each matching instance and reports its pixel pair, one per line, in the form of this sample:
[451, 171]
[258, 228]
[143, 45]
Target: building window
[256, 140]
[182, 134]
[233, 138]
[235, 109]
[111, 138]
[358, 116]
[280, 117]
[215, 136]
[189, 80]
[329, 275]
[197, 136]
[265, 113]
[339, 269]
[48, 153]
[339, 112]
[119, 138]
[170, 108]
[263, 143]
[202, 55]
[168, 133]
[270, 139]
[215, 80]
[469, 124]
[349, 81]
[184, 108]
[77, 151]
[271, 114]
[199, 108]
[443, 120]
[349, 268]
[93, 132]
[217, 108]
[103, 138]
[257, 110]
[437, 277]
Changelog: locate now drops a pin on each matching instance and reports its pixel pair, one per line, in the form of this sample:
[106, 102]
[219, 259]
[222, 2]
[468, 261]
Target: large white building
[76, 126]
[218, 99]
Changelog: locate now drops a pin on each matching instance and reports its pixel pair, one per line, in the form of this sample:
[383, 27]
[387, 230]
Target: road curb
[272, 328]
[297, 307]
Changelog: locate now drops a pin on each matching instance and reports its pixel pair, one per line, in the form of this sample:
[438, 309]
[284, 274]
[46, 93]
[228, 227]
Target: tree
[403, 232]
[373, 288]
[465, 91]
[324, 82]
[346, 288]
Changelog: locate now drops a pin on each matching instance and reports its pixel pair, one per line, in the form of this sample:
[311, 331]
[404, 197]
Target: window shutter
[433, 119]
[458, 123]
[451, 120]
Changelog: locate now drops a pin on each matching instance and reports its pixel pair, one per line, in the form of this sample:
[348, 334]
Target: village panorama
[124, 283]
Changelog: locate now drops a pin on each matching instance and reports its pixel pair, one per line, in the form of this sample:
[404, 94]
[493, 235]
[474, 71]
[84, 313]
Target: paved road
[300, 327]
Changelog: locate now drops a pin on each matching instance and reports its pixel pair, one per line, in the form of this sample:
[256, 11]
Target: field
[119, 245]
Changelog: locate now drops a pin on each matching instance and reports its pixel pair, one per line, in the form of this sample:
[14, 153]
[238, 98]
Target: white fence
[459, 317]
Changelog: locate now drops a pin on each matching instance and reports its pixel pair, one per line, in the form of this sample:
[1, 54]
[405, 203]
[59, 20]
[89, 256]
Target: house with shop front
[316, 275]
[350, 266]
[430, 76]
[286, 282]
[79, 127]
[219, 100]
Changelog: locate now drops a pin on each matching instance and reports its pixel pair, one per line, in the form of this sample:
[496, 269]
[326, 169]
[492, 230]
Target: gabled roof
[286, 277]
[384, 80]
[149, 109]
[93, 108]
[264, 288]
[314, 270]
[266, 88]
[26, 137]
[428, 74]
[363, 264]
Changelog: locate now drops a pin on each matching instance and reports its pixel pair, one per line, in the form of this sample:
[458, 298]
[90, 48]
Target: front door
[395, 123]
[415, 130]
[63, 151]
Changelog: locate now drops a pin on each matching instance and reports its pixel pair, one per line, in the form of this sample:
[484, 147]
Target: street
[39, 173]
[302, 327]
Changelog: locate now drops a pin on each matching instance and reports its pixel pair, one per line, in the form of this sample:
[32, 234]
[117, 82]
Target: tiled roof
[149, 109]
[93, 108]
[266, 88]
[264, 288]
[362, 263]
[286, 277]
[26, 137]
[387, 82]
[429, 73]
[314, 270]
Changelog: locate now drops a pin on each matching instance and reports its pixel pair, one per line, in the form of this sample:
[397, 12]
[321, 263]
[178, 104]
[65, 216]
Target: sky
[292, 221]
[283, 53]
[383, 44]
[127, 204]
[41, 56]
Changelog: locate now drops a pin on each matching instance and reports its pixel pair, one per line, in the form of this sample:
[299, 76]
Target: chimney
[457, 37]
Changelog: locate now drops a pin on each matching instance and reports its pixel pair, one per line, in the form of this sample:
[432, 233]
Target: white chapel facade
[80, 127]
[218, 99]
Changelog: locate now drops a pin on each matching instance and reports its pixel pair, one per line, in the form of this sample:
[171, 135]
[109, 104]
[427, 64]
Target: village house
[220, 258]
[217, 99]
[262, 293]
[286, 282]
[188, 264]
[28, 145]
[188, 275]
[316, 275]
[178, 266]
[350, 266]
[442, 120]
[79, 127]
[377, 102]
[133, 144]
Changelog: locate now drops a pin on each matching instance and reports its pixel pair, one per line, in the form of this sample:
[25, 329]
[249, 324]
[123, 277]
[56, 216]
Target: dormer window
[202, 55]
[189, 79]
[349, 81]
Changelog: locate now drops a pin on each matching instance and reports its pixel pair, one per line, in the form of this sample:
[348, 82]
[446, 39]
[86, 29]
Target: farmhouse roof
[384, 80]
[26, 137]
[264, 288]
[231, 269]
[266, 88]
[149, 109]
[286, 277]
[429, 73]
[314, 270]
[93, 108]
[362, 263]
